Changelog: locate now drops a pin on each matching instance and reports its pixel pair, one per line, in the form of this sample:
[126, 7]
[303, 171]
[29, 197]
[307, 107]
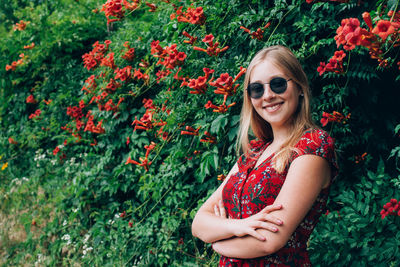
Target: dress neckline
[260, 154]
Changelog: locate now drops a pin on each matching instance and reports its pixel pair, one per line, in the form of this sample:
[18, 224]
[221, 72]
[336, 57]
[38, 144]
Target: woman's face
[276, 109]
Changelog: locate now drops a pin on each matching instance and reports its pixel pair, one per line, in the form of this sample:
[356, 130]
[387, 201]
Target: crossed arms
[269, 230]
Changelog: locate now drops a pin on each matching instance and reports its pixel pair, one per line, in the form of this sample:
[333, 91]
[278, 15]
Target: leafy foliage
[103, 194]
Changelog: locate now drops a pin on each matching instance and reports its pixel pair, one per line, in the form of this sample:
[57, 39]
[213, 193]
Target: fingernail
[275, 229]
[279, 221]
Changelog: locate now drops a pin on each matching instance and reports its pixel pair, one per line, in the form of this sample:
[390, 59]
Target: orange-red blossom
[225, 83]
[191, 131]
[191, 40]
[208, 138]
[258, 34]
[212, 49]
[199, 85]
[361, 157]
[17, 63]
[144, 162]
[192, 15]
[21, 25]
[335, 116]
[221, 108]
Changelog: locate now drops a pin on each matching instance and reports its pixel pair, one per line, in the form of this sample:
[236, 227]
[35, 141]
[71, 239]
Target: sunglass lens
[256, 90]
[278, 85]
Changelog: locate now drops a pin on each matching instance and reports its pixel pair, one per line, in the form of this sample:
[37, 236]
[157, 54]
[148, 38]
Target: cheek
[256, 102]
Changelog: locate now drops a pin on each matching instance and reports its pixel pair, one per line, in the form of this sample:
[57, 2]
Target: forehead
[266, 70]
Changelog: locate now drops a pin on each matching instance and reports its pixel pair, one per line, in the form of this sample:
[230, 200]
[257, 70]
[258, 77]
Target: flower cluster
[17, 63]
[92, 59]
[225, 86]
[208, 138]
[190, 131]
[192, 15]
[335, 116]
[130, 54]
[169, 57]
[191, 40]
[131, 6]
[21, 25]
[113, 8]
[350, 34]
[91, 127]
[108, 61]
[258, 34]
[391, 208]
[212, 48]
[123, 74]
[144, 162]
[199, 85]
[148, 120]
[35, 114]
[360, 158]
[335, 64]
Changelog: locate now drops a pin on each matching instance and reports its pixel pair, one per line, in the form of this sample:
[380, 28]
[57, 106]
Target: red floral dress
[251, 189]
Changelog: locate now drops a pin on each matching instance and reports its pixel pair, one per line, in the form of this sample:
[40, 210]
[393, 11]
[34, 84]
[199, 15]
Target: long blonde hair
[301, 121]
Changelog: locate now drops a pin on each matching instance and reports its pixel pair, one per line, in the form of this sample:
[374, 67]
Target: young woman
[267, 207]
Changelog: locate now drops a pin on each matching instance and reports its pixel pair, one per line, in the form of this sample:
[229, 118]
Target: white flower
[86, 238]
[65, 223]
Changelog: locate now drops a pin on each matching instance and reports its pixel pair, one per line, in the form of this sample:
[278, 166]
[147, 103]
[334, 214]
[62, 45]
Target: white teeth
[273, 108]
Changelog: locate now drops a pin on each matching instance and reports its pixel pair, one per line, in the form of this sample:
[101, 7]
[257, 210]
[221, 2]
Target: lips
[273, 107]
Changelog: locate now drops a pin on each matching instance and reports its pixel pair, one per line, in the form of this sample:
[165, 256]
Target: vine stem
[287, 13]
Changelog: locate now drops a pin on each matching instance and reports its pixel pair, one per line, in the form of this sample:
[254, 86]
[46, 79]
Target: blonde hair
[283, 58]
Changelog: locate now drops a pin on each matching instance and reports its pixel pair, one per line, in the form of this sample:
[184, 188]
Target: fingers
[254, 233]
[273, 219]
[272, 207]
[222, 209]
[266, 226]
[216, 211]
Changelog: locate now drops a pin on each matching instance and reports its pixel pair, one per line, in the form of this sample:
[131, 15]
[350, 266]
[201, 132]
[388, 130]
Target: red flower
[153, 7]
[383, 28]
[31, 46]
[31, 99]
[56, 150]
[21, 25]
[367, 18]
[12, 141]
[208, 39]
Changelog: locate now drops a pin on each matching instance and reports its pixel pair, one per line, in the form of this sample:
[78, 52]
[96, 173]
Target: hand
[219, 210]
[249, 225]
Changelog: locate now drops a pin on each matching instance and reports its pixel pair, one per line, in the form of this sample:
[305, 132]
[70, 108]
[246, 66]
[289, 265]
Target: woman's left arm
[307, 175]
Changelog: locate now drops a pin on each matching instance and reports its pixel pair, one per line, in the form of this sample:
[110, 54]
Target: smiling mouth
[274, 107]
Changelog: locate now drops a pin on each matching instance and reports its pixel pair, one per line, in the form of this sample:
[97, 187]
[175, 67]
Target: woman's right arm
[210, 227]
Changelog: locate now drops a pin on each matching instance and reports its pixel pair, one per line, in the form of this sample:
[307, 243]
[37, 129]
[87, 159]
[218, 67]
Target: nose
[268, 93]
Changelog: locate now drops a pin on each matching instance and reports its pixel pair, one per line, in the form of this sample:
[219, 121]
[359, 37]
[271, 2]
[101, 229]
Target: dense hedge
[120, 118]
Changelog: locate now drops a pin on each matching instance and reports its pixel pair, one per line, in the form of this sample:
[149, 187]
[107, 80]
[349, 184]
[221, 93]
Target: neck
[280, 135]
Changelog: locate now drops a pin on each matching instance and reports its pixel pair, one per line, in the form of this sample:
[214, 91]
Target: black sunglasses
[278, 85]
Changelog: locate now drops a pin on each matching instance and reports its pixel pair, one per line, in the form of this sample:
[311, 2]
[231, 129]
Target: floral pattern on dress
[251, 189]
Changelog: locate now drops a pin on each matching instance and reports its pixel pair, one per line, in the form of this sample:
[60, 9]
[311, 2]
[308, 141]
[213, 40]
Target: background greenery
[85, 206]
